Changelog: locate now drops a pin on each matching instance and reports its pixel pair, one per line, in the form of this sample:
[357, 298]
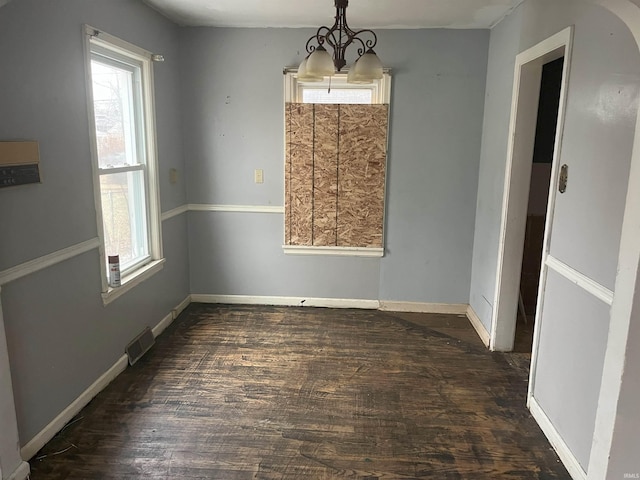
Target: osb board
[361, 175]
[299, 171]
[287, 173]
[335, 174]
[325, 189]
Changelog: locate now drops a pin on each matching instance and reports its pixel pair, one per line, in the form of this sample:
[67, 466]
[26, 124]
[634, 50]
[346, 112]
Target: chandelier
[319, 63]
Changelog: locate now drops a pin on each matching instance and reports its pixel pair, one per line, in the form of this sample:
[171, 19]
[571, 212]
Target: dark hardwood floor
[235, 392]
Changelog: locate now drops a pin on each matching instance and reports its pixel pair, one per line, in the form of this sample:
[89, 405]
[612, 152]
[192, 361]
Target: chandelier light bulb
[354, 78]
[303, 74]
[320, 63]
[368, 66]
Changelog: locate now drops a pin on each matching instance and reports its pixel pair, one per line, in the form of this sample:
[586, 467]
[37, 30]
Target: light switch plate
[173, 176]
[258, 176]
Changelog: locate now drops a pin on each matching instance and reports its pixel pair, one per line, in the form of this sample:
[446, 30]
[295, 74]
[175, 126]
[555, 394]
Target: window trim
[155, 262]
[382, 95]
[293, 91]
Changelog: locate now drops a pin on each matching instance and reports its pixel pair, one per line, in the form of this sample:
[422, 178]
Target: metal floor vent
[140, 345]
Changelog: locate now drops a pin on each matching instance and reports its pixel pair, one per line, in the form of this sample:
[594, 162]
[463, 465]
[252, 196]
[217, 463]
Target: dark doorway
[538, 197]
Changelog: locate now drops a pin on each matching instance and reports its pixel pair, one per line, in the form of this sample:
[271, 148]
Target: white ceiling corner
[313, 13]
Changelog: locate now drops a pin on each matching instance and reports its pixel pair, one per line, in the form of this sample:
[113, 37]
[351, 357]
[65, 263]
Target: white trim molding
[174, 212]
[419, 307]
[584, 282]
[101, 45]
[479, 327]
[293, 88]
[46, 261]
[200, 207]
[365, 304]
[555, 439]
[515, 198]
[286, 301]
[58, 423]
[170, 317]
[333, 251]
[181, 307]
[162, 326]
[21, 473]
[130, 281]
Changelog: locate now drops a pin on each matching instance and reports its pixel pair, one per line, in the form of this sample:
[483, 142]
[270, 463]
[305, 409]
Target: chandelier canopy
[320, 63]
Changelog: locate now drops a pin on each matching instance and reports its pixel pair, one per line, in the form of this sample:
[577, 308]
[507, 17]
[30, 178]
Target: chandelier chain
[340, 36]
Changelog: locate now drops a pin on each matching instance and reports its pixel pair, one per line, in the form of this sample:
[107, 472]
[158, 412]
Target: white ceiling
[313, 13]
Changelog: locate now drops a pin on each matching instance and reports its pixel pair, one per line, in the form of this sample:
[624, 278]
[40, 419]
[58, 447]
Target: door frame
[522, 129]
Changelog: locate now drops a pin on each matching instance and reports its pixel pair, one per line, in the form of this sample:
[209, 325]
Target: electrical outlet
[258, 176]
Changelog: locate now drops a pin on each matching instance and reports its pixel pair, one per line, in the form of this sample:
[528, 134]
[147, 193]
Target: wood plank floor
[238, 392]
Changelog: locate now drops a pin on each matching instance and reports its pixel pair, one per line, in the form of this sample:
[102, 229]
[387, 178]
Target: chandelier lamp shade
[319, 63]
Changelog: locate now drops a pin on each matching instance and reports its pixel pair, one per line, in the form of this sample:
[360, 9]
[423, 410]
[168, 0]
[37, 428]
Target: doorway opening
[518, 179]
[544, 146]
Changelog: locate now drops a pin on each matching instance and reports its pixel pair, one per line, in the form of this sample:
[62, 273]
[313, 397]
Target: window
[120, 91]
[335, 166]
[336, 95]
[336, 90]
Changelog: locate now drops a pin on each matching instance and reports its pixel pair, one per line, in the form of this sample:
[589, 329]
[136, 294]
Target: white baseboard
[21, 473]
[562, 449]
[418, 307]
[162, 325]
[331, 303]
[58, 423]
[181, 306]
[168, 320]
[482, 332]
[286, 301]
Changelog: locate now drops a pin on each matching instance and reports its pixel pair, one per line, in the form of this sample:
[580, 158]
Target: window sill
[132, 280]
[333, 251]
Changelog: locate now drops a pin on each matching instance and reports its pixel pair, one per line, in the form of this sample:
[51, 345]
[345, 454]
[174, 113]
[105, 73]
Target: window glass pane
[124, 217]
[337, 95]
[115, 114]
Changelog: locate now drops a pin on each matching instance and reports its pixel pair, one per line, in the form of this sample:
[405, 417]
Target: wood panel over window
[335, 175]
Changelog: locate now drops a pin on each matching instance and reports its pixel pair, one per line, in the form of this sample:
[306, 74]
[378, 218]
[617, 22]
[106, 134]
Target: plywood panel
[361, 175]
[335, 174]
[287, 173]
[325, 178]
[300, 172]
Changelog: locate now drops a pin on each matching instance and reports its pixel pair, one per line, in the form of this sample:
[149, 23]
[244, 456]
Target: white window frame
[105, 44]
[381, 89]
[381, 94]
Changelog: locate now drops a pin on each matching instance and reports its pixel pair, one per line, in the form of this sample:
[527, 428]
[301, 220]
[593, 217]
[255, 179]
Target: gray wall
[232, 90]
[597, 141]
[503, 48]
[60, 336]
